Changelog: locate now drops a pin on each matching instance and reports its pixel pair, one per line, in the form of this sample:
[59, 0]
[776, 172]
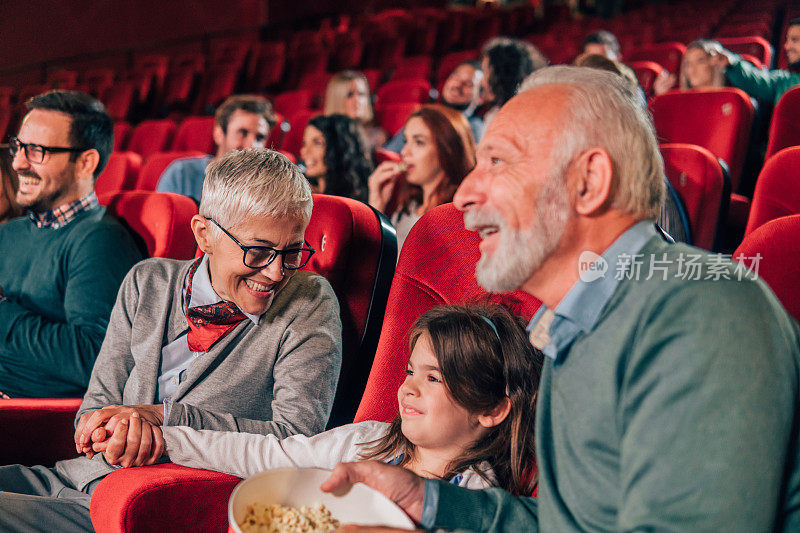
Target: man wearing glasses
[62, 264]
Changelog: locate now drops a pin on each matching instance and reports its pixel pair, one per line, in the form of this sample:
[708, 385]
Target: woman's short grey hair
[605, 111]
[254, 183]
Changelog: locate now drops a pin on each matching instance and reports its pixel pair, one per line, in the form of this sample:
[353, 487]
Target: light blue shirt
[576, 313]
[176, 357]
[185, 176]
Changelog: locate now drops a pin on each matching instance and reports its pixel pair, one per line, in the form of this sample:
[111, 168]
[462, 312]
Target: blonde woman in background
[348, 93]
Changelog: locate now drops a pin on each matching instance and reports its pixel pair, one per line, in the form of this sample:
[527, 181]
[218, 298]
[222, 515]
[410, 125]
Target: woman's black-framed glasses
[37, 153]
[263, 256]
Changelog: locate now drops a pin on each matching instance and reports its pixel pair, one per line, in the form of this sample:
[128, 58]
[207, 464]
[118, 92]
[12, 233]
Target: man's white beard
[520, 252]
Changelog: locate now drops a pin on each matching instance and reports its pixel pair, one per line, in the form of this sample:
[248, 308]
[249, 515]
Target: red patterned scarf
[208, 323]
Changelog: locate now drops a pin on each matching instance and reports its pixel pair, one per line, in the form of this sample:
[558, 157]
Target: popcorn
[275, 518]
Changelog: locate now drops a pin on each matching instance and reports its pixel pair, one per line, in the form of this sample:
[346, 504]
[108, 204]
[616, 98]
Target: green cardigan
[678, 412]
[60, 286]
[766, 85]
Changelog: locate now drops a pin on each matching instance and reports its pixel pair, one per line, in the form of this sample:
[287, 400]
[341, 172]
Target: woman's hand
[98, 425]
[381, 184]
[664, 82]
[135, 442]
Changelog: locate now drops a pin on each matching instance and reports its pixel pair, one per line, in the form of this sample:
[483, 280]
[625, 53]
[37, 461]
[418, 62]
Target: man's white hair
[605, 111]
[254, 183]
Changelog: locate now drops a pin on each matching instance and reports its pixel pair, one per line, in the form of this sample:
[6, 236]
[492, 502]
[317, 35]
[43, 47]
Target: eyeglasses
[37, 153]
[263, 256]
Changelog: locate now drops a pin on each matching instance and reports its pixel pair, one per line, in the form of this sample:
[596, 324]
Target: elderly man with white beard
[651, 415]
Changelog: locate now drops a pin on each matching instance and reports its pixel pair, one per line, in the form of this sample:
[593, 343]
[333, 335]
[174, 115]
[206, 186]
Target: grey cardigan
[278, 377]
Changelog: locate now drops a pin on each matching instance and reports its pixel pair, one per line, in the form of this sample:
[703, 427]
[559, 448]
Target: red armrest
[37, 431]
[163, 497]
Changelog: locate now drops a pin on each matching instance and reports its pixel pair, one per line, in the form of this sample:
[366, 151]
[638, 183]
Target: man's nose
[468, 194]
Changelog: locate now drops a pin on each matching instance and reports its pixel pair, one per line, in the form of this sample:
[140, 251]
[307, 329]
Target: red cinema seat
[122, 133]
[290, 103]
[160, 220]
[436, 267]
[151, 136]
[697, 177]
[668, 55]
[179, 87]
[348, 49]
[771, 251]
[784, 129]
[267, 64]
[753, 45]
[777, 191]
[414, 67]
[404, 91]
[97, 80]
[317, 84]
[716, 119]
[196, 134]
[120, 173]
[118, 99]
[24, 421]
[356, 250]
[155, 164]
[450, 61]
[392, 117]
[646, 72]
[216, 85]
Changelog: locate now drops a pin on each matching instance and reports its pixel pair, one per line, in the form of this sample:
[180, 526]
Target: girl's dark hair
[480, 370]
[455, 147]
[511, 61]
[9, 182]
[346, 156]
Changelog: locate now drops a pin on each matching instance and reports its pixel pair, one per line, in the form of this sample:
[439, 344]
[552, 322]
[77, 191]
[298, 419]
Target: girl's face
[431, 419]
[420, 154]
[356, 101]
[312, 152]
[698, 68]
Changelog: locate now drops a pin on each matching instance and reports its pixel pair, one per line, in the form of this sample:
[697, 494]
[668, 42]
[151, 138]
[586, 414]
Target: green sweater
[766, 85]
[677, 412]
[60, 286]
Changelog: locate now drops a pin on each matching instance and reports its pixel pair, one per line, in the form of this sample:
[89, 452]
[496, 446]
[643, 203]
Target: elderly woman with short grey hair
[236, 340]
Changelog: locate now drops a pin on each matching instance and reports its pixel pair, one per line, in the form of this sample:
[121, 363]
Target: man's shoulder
[186, 164]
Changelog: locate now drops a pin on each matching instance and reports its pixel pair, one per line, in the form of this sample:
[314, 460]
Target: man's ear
[219, 135]
[592, 179]
[496, 416]
[86, 163]
[202, 233]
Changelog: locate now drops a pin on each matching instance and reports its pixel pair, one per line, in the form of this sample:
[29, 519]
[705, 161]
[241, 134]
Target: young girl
[439, 152]
[466, 412]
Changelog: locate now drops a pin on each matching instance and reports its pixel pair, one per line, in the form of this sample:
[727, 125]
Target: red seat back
[160, 219]
[697, 177]
[772, 251]
[414, 67]
[294, 137]
[356, 252]
[777, 191]
[290, 103]
[668, 55]
[392, 117]
[195, 133]
[404, 91]
[156, 163]
[784, 130]
[151, 136]
[120, 173]
[118, 99]
[122, 133]
[646, 72]
[436, 267]
[753, 45]
[716, 119]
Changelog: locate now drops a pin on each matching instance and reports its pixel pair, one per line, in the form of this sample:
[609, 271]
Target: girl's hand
[664, 82]
[381, 184]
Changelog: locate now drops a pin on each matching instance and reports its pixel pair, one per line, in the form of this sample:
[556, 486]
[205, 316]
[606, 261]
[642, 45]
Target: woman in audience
[335, 157]
[236, 340]
[439, 152]
[348, 93]
[701, 68]
[466, 412]
[8, 188]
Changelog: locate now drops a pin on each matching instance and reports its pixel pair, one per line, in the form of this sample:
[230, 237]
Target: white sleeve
[245, 454]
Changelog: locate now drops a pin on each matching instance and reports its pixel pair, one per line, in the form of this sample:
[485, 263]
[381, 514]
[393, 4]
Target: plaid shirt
[64, 214]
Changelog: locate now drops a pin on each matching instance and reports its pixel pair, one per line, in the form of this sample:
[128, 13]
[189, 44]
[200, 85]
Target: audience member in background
[61, 266]
[702, 67]
[242, 121]
[348, 93]
[237, 340]
[438, 153]
[649, 417]
[604, 43]
[505, 63]
[335, 157]
[9, 183]
[672, 218]
[466, 411]
[462, 92]
[766, 85]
